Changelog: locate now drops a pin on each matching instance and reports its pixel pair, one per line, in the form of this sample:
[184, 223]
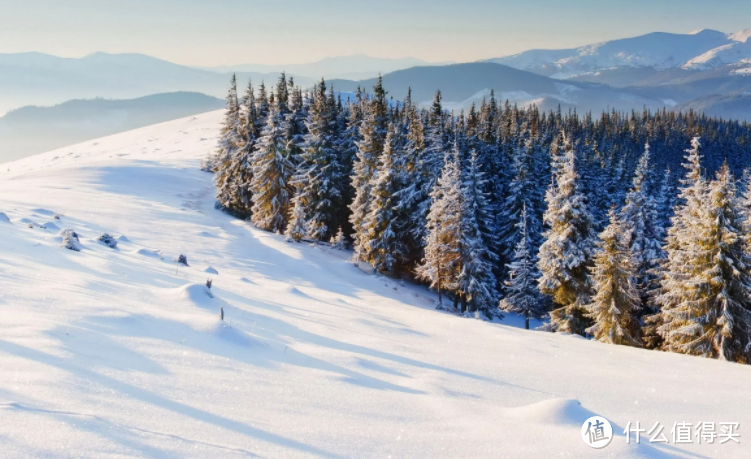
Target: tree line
[607, 225]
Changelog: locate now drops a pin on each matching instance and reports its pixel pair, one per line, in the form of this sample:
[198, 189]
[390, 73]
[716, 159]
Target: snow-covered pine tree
[319, 170]
[339, 242]
[413, 194]
[235, 195]
[435, 141]
[442, 262]
[681, 247]
[706, 307]
[272, 172]
[297, 227]
[349, 120]
[522, 295]
[566, 254]
[744, 190]
[373, 129]
[521, 194]
[383, 248]
[476, 283]
[616, 304]
[665, 202]
[640, 219]
[229, 141]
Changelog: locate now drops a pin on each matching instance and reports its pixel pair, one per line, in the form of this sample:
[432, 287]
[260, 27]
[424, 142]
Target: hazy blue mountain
[31, 129]
[463, 84]
[731, 106]
[356, 67]
[41, 79]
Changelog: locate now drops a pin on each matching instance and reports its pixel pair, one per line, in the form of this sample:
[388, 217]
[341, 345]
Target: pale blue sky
[219, 32]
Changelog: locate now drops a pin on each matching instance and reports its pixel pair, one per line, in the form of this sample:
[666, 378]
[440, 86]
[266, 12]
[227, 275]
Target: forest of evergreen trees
[630, 228]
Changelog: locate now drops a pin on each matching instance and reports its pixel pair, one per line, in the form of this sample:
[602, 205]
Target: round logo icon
[597, 432]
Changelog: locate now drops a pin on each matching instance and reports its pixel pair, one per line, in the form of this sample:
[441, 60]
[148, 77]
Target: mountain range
[42, 79]
[355, 67]
[700, 50]
[707, 71]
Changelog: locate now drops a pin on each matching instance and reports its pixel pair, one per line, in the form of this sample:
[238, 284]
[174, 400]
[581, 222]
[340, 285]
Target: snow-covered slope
[698, 50]
[121, 353]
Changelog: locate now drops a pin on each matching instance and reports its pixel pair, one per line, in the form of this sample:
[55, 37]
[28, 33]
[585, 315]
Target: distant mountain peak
[700, 49]
[741, 36]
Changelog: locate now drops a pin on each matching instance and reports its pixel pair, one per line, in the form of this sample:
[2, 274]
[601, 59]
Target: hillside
[732, 106]
[76, 121]
[121, 353]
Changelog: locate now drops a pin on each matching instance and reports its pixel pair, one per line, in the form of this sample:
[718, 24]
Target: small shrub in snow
[339, 242]
[208, 283]
[107, 240]
[70, 240]
[56, 216]
[182, 259]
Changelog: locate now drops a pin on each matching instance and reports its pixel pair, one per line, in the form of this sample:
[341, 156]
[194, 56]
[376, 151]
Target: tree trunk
[526, 322]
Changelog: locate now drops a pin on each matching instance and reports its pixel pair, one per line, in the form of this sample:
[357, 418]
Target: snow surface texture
[121, 353]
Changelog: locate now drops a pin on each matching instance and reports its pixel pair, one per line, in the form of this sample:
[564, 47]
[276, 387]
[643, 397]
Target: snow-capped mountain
[698, 50]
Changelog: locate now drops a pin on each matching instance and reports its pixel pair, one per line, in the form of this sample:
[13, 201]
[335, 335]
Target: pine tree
[477, 284]
[373, 133]
[616, 304]
[384, 250]
[566, 254]
[522, 295]
[339, 242]
[234, 194]
[414, 180]
[319, 171]
[297, 227]
[442, 262]
[665, 202]
[639, 216]
[229, 141]
[706, 306]
[521, 194]
[272, 172]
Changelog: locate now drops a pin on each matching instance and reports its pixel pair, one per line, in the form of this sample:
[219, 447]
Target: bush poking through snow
[339, 242]
[56, 216]
[208, 283]
[107, 240]
[70, 240]
[182, 259]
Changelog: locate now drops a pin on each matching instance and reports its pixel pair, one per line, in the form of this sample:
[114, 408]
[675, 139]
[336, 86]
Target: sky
[227, 32]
